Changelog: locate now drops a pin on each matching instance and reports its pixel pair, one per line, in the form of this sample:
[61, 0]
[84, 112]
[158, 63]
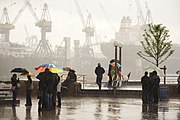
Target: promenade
[90, 106]
[95, 108]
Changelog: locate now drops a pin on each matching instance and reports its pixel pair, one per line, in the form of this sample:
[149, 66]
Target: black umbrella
[19, 70]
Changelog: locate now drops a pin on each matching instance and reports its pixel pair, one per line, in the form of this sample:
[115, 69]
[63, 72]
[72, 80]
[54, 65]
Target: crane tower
[5, 25]
[88, 29]
[45, 24]
[89, 33]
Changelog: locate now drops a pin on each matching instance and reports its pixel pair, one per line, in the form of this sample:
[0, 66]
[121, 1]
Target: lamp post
[120, 45]
[116, 45]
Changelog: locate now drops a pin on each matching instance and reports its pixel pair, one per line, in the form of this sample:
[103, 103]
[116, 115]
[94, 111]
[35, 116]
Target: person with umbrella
[28, 91]
[14, 82]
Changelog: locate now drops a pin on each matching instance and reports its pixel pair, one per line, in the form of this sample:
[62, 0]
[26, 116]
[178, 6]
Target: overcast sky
[106, 16]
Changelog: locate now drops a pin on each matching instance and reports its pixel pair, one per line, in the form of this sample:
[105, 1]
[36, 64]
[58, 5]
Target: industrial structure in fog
[82, 58]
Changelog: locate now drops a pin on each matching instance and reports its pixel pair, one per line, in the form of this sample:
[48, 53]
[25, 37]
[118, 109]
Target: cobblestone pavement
[91, 108]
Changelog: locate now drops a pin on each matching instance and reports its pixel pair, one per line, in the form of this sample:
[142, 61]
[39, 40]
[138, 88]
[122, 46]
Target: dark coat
[99, 72]
[145, 81]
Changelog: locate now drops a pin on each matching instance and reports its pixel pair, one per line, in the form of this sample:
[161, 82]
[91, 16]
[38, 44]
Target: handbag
[18, 85]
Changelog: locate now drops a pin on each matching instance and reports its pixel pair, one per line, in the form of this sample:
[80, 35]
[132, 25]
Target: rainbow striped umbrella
[53, 68]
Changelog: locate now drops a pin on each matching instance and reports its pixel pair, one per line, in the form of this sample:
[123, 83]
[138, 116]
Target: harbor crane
[5, 25]
[88, 29]
[44, 23]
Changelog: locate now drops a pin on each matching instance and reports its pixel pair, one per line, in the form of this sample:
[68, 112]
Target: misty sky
[66, 20]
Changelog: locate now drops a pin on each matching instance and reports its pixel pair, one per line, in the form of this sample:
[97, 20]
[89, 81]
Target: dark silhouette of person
[49, 88]
[14, 82]
[28, 91]
[41, 90]
[151, 89]
[59, 93]
[156, 81]
[178, 81]
[57, 79]
[99, 71]
[71, 78]
[145, 81]
[109, 73]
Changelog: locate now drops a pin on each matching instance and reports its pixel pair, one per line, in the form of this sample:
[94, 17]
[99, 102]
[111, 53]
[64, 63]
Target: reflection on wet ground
[89, 108]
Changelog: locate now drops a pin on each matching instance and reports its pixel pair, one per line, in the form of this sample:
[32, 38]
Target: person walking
[14, 82]
[145, 81]
[99, 71]
[29, 87]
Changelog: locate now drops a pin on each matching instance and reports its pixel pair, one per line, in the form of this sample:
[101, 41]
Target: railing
[80, 78]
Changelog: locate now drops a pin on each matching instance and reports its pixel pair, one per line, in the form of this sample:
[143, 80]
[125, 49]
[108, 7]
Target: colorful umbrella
[53, 68]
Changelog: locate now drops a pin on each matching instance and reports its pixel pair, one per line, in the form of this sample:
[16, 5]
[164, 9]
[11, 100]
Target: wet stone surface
[91, 108]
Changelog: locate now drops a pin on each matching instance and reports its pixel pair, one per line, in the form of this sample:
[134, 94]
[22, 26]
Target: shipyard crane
[140, 13]
[148, 19]
[5, 25]
[88, 29]
[45, 24]
[141, 20]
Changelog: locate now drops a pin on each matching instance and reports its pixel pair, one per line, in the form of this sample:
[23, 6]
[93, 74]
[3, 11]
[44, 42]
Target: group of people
[16, 85]
[47, 90]
[99, 71]
[150, 88]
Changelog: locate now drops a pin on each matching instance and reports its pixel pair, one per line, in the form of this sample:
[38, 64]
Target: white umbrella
[154, 68]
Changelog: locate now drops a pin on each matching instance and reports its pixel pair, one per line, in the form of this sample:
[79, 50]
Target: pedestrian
[49, 82]
[156, 81]
[41, 91]
[145, 81]
[151, 88]
[29, 87]
[178, 81]
[59, 93]
[14, 82]
[57, 79]
[109, 73]
[99, 71]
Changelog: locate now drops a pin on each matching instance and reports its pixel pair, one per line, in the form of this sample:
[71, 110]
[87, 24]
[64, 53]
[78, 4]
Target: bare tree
[156, 44]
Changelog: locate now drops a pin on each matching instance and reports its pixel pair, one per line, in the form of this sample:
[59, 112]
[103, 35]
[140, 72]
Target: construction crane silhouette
[5, 25]
[44, 23]
[88, 29]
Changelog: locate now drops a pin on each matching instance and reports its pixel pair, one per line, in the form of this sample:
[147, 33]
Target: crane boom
[80, 13]
[33, 13]
[19, 14]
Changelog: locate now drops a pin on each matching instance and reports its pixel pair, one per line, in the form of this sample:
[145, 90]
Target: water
[91, 108]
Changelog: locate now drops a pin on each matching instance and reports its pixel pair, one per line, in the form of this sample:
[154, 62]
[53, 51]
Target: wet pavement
[95, 108]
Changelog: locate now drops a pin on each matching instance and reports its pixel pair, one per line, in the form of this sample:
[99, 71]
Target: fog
[106, 17]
